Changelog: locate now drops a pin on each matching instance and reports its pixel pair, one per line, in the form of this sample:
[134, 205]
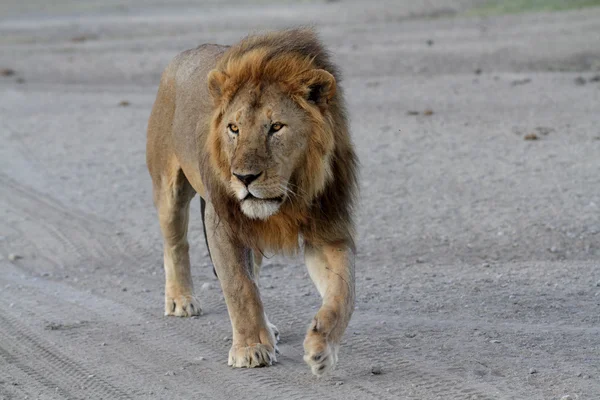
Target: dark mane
[318, 214]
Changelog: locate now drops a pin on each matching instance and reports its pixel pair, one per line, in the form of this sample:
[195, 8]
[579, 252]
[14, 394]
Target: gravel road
[478, 271]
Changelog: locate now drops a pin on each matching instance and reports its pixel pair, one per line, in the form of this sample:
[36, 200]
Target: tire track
[65, 371]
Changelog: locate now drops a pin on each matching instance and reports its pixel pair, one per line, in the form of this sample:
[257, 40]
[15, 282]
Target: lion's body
[258, 130]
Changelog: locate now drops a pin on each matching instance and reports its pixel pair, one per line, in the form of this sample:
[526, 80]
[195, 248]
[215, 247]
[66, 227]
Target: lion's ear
[320, 86]
[216, 81]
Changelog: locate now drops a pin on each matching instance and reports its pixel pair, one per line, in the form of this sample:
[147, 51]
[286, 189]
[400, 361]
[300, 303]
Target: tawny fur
[189, 151]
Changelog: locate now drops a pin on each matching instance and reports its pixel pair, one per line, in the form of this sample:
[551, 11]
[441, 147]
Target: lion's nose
[247, 179]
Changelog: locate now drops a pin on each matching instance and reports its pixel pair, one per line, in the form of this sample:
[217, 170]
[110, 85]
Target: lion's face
[266, 139]
[264, 135]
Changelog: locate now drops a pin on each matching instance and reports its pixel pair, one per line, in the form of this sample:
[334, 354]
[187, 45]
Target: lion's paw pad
[320, 356]
[182, 306]
[258, 355]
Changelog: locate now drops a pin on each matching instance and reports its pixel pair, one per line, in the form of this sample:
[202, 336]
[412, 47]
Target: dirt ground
[478, 267]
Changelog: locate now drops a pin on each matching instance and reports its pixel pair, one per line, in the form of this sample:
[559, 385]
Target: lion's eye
[233, 128]
[276, 127]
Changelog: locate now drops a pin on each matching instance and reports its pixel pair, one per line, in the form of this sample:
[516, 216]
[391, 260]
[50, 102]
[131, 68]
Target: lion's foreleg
[331, 267]
[253, 341]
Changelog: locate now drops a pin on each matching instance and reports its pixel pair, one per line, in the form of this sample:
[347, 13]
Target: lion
[259, 131]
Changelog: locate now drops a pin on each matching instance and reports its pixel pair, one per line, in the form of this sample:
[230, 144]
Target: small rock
[124, 103]
[478, 71]
[518, 82]
[225, 338]
[7, 72]
[595, 78]
[419, 260]
[200, 358]
[412, 113]
[580, 81]
[79, 39]
[206, 286]
[339, 383]
[485, 265]
[170, 373]
[14, 257]
[428, 112]
[103, 344]
[376, 370]
[531, 136]
[494, 341]
[124, 289]
[566, 397]
[410, 335]
[532, 371]
[429, 42]
[553, 249]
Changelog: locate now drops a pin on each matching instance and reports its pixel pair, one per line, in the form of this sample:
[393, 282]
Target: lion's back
[182, 102]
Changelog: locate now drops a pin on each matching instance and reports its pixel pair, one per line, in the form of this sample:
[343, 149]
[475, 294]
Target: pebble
[485, 265]
[517, 82]
[200, 358]
[410, 335]
[532, 371]
[170, 373]
[566, 397]
[206, 286]
[595, 78]
[339, 383]
[598, 284]
[225, 338]
[531, 136]
[7, 72]
[494, 341]
[580, 81]
[376, 370]
[14, 257]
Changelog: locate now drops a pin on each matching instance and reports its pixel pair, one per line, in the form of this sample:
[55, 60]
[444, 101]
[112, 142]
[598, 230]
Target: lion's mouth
[250, 196]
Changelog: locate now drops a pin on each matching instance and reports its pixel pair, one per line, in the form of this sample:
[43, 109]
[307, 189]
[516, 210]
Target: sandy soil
[479, 251]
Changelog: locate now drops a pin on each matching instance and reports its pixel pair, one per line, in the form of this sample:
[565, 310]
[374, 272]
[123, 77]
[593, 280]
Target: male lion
[259, 131]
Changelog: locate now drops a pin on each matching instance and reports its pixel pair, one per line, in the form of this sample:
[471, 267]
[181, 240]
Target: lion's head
[278, 134]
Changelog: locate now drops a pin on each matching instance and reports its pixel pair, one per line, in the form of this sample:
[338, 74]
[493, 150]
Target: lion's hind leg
[172, 197]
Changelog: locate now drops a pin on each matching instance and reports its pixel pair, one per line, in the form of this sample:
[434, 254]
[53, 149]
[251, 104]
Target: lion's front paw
[320, 355]
[182, 306]
[257, 355]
